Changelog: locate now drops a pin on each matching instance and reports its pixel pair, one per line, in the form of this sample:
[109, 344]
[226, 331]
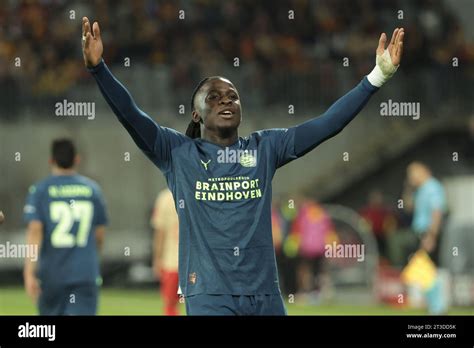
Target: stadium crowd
[270, 46]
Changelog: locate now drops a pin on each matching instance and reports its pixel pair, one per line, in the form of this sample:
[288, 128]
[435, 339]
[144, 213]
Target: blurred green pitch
[13, 301]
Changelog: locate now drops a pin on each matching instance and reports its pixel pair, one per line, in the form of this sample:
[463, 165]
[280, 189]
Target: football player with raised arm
[226, 257]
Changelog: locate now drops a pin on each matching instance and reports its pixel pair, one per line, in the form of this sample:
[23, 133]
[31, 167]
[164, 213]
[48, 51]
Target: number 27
[65, 215]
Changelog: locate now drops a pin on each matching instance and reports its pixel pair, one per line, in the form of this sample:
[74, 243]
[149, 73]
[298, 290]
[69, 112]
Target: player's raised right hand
[92, 47]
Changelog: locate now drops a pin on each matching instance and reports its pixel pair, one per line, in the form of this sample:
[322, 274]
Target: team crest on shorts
[192, 278]
[247, 160]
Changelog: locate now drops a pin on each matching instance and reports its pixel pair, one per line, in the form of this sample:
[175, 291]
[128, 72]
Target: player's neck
[221, 139]
[62, 171]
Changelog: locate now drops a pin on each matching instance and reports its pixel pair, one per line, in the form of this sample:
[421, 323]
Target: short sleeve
[437, 200]
[100, 214]
[31, 211]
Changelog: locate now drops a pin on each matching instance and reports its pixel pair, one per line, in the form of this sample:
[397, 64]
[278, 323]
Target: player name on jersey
[70, 191]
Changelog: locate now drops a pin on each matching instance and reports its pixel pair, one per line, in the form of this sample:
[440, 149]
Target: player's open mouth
[226, 114]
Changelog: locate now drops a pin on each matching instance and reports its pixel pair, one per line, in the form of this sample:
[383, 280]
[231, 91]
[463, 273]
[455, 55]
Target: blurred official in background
[428, 202]
[425, 195]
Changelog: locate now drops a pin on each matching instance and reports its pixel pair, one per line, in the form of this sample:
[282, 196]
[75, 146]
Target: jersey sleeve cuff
[98, 67]
[368, 85]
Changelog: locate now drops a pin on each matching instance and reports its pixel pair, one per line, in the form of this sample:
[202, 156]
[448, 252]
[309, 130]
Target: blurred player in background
[426, 197]
[226, 256]
[66, 218]
[165, 249]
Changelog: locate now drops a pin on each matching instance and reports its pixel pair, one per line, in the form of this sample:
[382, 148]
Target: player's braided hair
[194, 128]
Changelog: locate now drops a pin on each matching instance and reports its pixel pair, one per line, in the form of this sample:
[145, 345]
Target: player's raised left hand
[387, 59]
[395, 47]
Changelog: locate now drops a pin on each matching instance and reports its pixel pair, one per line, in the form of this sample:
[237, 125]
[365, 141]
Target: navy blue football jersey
[70, 207]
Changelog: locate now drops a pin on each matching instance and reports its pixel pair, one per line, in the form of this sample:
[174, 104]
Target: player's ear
[51, 161]
[196, 116]
[77, 160]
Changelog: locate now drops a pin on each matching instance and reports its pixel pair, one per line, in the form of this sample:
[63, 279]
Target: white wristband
[383, 71]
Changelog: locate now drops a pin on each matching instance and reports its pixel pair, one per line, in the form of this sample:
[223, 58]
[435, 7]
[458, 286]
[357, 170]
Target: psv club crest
[248, 160]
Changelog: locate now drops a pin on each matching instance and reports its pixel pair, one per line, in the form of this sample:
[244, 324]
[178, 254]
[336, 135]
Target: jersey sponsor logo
[230, 190]
[205, 164]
